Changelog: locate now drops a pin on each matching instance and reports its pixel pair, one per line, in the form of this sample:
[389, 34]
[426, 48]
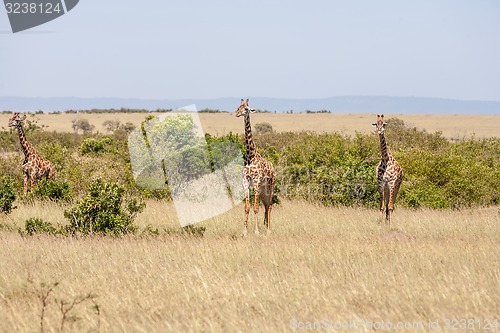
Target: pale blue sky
[237, 48]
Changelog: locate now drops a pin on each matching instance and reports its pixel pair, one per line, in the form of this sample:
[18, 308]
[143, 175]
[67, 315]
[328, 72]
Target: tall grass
[319, 263]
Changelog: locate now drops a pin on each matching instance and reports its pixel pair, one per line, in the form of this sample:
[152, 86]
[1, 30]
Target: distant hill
[342, 104]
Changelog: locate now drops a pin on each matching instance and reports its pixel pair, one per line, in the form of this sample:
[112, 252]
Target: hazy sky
[173, 49]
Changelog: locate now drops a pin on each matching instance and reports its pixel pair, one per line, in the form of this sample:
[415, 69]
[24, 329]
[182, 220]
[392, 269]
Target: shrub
[261, 128]
[31, 124]
[105, 210]
[36, 225]
[340, 170]
[54, 152]
[168, 151]
[111, 125]
[83, 125]
[195, 231]
[95, 146]
[53, 190]
[7, 195]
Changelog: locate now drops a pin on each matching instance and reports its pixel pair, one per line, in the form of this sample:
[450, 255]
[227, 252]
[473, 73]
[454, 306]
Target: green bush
[327, 168]
[104, 209]
[53, 190]
[340, 170]
[7, 195]
[95, 146]
[195, 231]
[35, 226]
[56, 153]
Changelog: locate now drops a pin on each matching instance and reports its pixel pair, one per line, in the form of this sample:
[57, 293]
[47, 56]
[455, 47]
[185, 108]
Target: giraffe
[34, 165]
[389, 173]
[258, 173]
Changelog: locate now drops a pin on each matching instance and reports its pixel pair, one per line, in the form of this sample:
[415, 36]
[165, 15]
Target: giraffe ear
[374, 124]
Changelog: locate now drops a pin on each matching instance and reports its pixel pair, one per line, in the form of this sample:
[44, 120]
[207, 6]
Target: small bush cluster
[104, 209]
[195, 231]
[95, 145]
[55, 190]
[38, 226]
[114, 125]
[7, 195]
[82, 125]
[262, 128]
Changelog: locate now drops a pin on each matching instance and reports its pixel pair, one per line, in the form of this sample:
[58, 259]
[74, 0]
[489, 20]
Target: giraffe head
[16, 120]
[380, 124]
[244, 109]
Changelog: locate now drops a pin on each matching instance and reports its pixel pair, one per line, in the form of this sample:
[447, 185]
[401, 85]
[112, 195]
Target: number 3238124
[471, 324]
[32, 8]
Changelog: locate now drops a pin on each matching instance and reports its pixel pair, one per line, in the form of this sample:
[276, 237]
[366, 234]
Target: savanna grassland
[318, 264]
[451, 126]
[328, 261]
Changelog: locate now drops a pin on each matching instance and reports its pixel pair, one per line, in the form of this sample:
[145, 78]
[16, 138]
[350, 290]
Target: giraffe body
[34, 166]
[258, 173]
[389, 173]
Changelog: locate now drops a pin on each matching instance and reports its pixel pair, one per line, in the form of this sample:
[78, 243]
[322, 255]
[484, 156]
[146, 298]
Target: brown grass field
[452, 126]
[326, 266]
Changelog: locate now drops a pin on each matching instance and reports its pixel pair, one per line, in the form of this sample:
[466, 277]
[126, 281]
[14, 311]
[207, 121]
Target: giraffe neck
[28, 148]
[250, 145]
[384, 150]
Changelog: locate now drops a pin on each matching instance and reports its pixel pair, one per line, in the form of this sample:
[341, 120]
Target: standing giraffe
[34, 165]
[389, 173]
[258, 173]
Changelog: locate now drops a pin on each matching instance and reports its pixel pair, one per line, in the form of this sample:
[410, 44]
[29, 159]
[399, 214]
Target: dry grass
[318, 264]
[452, 126]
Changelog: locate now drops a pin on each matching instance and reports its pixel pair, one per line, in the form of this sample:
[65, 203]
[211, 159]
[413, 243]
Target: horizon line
[256, 97]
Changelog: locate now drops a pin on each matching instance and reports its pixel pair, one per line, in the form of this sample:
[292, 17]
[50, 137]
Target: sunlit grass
[318, 263]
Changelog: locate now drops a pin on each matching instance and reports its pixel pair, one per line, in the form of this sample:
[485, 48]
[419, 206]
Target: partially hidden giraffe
[389, 173]
[258, 173]
[34, 166]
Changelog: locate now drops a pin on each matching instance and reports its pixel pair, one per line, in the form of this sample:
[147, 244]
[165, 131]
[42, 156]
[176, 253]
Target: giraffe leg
[390, 207]
[33, 183]
[267, 198]
[25, 183]
[267, 218]
[381, 206]
[256, 207]
[381, 195]
[392, 199]
[387, 200]
[247, 210]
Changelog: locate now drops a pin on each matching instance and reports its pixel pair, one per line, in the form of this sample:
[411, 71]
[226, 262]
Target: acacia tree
[83, 125]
